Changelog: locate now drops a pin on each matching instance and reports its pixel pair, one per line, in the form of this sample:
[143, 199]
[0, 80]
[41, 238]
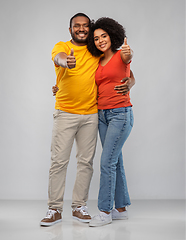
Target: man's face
[79, 30]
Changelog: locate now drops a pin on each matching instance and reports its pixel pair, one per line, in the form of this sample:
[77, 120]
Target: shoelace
[100, 216]
[50, 213]
[83, 210]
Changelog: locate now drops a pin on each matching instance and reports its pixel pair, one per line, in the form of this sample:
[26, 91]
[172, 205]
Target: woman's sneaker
[116, 215]
[100, 220]
[81, 214]
[53, 216]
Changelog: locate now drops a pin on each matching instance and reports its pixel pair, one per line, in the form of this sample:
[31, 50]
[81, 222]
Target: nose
[100, 39]
[81, 28]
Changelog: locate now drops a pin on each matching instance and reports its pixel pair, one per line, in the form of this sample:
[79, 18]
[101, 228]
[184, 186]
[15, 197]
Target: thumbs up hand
[71, 60]
[72, 52]
[126, 50]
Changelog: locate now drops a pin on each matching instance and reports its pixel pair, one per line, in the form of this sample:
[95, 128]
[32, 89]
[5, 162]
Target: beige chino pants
[66, 128]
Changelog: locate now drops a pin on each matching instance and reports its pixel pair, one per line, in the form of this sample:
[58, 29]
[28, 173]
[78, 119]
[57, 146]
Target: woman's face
[102, 40]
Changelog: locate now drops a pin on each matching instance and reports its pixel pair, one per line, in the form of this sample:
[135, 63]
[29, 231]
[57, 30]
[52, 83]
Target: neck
[78, 44]
[108, 54]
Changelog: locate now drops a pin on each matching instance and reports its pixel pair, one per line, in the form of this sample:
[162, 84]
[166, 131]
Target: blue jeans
[115, 126]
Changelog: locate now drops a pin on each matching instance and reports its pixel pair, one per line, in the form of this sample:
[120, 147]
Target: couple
[87, 64]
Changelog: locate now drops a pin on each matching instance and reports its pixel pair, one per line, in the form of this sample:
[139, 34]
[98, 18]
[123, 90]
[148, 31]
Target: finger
[124, 79]
[121, 88]
[72, 66]
[122, 92]
[124, 85]
[125, 92]
[72, 52]
[71, 62]
[125, 41]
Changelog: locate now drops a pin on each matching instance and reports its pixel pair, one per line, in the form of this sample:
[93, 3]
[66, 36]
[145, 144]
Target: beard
[79, 40]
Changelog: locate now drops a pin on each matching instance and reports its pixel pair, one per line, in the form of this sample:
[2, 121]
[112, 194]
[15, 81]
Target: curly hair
[115, 31]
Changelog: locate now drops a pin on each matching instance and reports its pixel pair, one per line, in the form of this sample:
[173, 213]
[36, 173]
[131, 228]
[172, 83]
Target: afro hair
[115, 31]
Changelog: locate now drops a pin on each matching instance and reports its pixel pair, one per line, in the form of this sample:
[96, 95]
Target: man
[75, 117]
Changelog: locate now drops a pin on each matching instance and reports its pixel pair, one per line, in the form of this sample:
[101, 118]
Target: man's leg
[64, 130]
[86, 139]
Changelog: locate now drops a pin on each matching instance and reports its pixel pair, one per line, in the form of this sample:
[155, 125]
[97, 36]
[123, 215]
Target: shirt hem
[78, 112]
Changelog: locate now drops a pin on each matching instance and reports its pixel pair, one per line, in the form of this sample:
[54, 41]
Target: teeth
[81, 34]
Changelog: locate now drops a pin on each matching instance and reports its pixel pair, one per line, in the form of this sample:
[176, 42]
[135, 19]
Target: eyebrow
[101, 35]
[79, 24]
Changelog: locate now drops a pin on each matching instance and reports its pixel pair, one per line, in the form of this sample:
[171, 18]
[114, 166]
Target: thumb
[72, 52]
[124, 80]
[125, 41]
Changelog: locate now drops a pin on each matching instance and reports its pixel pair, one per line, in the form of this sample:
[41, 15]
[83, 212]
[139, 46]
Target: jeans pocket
[131, 117]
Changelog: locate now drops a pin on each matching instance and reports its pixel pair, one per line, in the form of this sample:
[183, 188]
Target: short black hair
[115, 31]
[79, 15]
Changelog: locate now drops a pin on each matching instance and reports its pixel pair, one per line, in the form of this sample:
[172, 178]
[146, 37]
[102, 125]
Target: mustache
[85, 32]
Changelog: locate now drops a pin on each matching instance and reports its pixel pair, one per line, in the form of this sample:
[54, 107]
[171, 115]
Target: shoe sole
[99, 225]
[119, 218]
[45, 224]
[82, 220]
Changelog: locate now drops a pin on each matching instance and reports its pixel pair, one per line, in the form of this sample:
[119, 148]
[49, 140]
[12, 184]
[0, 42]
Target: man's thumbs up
[72, 52]
[71, 60]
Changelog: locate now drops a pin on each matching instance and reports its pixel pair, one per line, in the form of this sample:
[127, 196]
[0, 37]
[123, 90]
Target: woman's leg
[122, 198]
[119, 128]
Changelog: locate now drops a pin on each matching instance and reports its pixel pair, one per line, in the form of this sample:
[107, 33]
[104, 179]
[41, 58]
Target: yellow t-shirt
[77, 88]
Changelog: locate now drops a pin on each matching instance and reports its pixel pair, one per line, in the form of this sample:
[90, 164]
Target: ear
[70, 30]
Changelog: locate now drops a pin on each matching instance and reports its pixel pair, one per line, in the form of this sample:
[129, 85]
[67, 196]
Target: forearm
[133, 81]
[128, 83]
[61, 59]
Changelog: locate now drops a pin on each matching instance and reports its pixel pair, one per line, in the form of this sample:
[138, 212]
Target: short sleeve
[59, 47]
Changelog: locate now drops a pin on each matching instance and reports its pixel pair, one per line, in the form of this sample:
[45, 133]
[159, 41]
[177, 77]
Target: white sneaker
[116, 215]
[100, 220]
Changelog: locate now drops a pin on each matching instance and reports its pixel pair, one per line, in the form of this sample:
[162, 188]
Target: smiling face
[79, 30]
[102, 40]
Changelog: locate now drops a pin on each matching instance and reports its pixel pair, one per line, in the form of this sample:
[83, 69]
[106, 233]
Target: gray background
[154, 153]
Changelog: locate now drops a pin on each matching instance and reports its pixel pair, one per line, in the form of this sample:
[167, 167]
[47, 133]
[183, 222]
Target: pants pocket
[56, 113]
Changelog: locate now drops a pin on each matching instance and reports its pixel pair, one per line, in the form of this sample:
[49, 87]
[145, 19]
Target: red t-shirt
[107, 77]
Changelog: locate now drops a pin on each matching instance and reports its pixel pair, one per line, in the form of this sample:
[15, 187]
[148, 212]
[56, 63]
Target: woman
[115, 117]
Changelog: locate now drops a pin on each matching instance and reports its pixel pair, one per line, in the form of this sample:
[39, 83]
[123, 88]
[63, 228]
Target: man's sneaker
[81, 214]
[116, 215]
[53, 216]
[100, 220]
